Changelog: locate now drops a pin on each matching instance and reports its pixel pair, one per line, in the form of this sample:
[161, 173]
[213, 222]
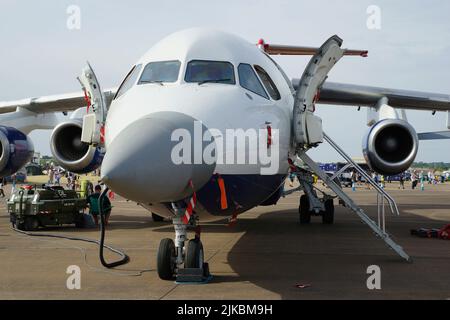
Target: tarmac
[266, 255]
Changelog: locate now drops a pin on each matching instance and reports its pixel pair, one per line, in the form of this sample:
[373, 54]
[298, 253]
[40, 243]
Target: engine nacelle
[16, 149]
[70, 152]
[390, 146]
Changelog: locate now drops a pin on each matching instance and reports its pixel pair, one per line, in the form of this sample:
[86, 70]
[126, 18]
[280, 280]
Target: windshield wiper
[152, 81]
[213, 80]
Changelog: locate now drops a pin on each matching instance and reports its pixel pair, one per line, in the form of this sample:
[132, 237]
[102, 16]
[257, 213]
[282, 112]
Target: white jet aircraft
[206, 124]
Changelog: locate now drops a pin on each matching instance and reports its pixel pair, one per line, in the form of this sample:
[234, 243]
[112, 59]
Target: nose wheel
[166, 259]
[194, 254]
[185, 263]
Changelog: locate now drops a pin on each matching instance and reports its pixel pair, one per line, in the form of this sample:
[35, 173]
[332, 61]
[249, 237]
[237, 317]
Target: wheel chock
[194, 275]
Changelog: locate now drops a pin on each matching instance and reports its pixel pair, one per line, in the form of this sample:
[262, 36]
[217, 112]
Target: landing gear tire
[166, 259]
[157, 218]
[194, 254]
[328, 214]
[305, 214]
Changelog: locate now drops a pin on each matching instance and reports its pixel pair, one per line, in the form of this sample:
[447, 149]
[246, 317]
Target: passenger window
[268, 83]
[164, 71]
[129, 80]
[202, 71]
[249, 80]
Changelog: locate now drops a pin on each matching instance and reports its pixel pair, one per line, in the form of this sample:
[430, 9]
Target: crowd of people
[55, 173]
[415, 176]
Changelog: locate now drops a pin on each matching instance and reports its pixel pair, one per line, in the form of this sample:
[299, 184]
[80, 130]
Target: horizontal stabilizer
[439, 135]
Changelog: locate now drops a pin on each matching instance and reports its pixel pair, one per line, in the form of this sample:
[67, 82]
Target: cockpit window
[249, 80]
[202, 71]
[268, 83]
[286, 78]
[163, 71]
[129, 80]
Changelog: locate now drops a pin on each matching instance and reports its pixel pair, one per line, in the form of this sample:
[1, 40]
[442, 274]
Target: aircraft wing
[439, 135]
[55, 103]
[357, 95]
[365, 96]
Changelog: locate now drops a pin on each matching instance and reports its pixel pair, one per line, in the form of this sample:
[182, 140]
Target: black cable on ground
[49, 235]
[137, 273]
[125, 259]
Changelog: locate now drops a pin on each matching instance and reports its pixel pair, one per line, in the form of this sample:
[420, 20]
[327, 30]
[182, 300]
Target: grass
[44, 179]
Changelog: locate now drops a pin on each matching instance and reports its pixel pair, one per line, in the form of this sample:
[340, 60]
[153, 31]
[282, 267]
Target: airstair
[308, 132]
[383, 198]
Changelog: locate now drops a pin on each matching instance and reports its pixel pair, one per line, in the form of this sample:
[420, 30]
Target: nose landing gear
[180, 262]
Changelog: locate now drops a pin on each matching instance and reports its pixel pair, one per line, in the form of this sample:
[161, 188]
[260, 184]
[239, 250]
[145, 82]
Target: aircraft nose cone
[142, 165]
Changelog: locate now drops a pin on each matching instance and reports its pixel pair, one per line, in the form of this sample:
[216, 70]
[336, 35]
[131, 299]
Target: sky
[40, 55]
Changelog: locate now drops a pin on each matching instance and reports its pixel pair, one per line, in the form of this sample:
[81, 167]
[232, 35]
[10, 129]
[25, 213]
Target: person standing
[2, 182]
[375, 177]
[413, 180]
[76, 180]
[69, 180]
[422, 179]
[402, 181]
[58, 177]
[50, 175]
[13, 179]
[93, 203]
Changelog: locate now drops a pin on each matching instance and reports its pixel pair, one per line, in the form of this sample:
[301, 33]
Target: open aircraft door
[307, 126]
[97, 108]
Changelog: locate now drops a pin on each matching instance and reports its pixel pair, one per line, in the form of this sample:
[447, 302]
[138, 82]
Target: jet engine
[16, 149]
[390, 146]
[70, 152]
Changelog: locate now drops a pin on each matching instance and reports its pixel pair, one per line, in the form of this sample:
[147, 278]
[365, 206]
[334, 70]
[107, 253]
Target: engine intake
[16, 149]
[70, 152]
[390, 146]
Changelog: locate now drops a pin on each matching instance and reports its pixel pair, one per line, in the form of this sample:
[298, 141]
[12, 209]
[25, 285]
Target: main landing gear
[310, 203]
[180, 262]
[306, 213]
